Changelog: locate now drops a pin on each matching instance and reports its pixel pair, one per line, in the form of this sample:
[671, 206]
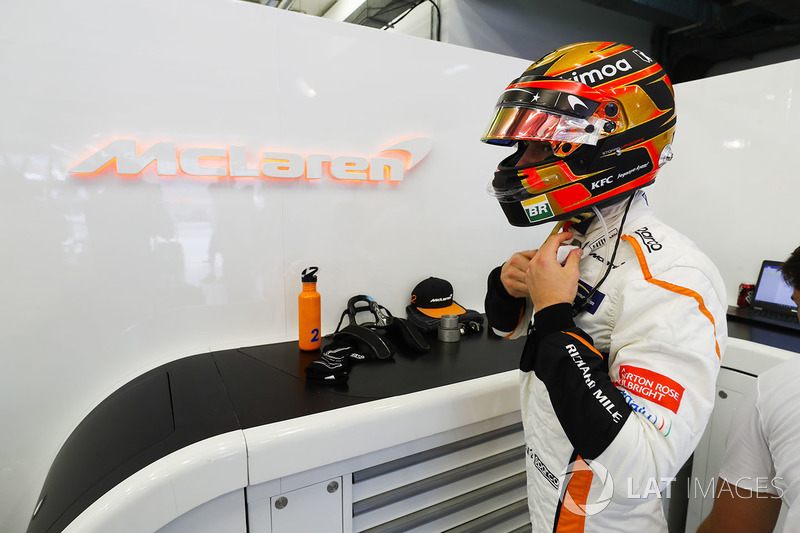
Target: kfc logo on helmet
[604, 182]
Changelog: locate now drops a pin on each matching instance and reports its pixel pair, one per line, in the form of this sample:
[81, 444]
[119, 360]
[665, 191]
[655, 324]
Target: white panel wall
[106, 277]
[733, 185]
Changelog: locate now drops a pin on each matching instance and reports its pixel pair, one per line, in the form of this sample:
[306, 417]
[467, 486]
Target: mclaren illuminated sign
[390, 165]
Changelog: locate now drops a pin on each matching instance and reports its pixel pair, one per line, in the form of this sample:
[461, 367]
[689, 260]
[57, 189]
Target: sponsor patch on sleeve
[651, 386]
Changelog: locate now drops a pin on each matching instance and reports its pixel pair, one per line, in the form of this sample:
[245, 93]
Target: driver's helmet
[607, 111]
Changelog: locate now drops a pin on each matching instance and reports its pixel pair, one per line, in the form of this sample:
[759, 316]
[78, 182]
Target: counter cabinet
[237, 441]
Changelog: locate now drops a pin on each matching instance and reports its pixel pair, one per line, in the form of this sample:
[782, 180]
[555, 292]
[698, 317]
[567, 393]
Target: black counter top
[267, 384]
[775, 336]
[197, 397]
[162, 411]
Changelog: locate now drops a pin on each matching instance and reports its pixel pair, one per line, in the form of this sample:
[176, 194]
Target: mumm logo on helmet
[602, 72]
[608, 71]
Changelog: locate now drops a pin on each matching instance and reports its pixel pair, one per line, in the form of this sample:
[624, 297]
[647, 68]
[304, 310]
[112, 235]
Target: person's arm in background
[738, 510]
[747, 461]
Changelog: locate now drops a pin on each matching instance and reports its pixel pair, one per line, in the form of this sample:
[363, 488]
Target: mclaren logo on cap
[537, 208]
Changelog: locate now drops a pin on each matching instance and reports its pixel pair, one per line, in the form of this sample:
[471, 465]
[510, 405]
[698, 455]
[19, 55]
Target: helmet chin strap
[558, 227]
[575, 219]
[582, 217]
[607, 238]
[579, 307]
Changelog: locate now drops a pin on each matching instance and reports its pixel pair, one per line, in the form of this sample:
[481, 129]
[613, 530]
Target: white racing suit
[626, 387]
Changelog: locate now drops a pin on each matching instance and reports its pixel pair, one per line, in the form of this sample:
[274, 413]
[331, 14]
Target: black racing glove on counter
[333, 368]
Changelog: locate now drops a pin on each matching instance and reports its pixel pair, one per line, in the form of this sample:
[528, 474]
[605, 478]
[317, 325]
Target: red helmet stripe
[566, 86]
[631, 185]
[609, 44]
[636, 76]
[608, 51]
[570, 195]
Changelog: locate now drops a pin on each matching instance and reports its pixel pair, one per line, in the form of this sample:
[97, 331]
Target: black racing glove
[334, 365]
[333, 368]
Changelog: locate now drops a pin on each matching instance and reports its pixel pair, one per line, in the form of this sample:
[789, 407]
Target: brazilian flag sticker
[537, 208]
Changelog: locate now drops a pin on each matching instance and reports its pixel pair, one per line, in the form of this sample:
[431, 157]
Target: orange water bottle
[308, 305]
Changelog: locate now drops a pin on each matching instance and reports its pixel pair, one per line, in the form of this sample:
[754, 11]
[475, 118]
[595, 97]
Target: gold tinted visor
[511, 124]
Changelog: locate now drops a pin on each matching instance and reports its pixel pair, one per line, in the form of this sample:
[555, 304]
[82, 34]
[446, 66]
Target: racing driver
[628, 316]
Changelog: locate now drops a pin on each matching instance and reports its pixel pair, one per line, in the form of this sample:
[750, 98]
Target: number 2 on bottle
[314, 335]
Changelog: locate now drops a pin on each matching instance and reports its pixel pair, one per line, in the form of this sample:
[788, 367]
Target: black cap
[434, 298]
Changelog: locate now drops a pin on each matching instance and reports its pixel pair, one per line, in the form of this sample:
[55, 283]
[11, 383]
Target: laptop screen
[771, 289]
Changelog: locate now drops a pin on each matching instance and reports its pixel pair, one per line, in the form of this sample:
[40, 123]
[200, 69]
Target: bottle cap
[310, 275]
